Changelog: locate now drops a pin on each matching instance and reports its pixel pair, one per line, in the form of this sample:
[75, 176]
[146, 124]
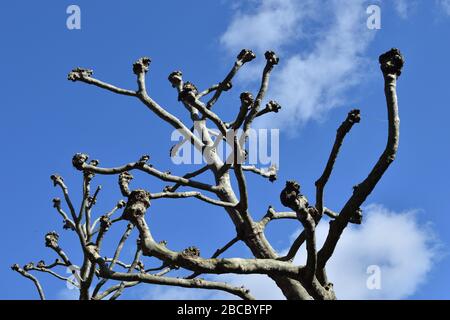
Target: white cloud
[270, 25]
[445, 5]
[404, 7]
[68, 294]
[398, 243]
[329, 38]
[172, 293]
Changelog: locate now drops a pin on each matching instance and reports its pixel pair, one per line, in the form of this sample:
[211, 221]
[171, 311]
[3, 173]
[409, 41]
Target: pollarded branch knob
[391, 62]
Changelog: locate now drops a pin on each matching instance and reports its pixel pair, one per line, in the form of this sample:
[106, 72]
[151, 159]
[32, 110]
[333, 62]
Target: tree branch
[391, 64]
[238, 159]
[59, 181]
[195, 263]
[188, 194]
[51, 241]
[187, 176]
[208, 91]
[270, 173]
[41, 268]
[352, 118]
[179, 282]
[85, 75]
[137, 256]
[119, 248]
[298, 242]
[80, 164]
[272, 60]
[291, 197]
[273, 215]
[114, 288]
[217, 254]
[309, 225]
[243, 57]
[140, 68]
[120, 204]
[19, 270]
[68, 223]
[271, 106]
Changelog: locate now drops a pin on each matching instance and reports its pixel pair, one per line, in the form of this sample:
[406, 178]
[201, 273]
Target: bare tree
[307, 281]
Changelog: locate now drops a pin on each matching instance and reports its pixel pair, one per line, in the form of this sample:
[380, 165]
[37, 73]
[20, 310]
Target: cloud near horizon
[403, 247]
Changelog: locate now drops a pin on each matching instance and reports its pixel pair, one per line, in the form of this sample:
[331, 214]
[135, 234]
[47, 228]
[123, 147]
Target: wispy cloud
[445, 5]
[272, 24]
[404, 7]
[318, 66]
[68, 294]
[398, 243]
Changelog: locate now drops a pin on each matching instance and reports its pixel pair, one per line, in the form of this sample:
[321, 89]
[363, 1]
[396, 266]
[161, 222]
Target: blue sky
[328, 65]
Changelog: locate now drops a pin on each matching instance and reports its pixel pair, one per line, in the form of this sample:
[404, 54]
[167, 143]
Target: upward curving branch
[391, 64]
[15, 267]
[243, 57]
[352, 118]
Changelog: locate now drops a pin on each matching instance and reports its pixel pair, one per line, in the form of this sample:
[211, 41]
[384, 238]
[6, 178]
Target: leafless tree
[307, 281]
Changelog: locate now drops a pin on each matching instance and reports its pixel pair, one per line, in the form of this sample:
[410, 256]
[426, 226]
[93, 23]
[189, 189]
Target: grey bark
[295, 281]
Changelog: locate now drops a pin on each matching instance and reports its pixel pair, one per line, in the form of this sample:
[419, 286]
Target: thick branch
[214, 266]
[240, 178]
[291, 197]
[148, 278]
[178, 282]
[309, 225]
[217, 253]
